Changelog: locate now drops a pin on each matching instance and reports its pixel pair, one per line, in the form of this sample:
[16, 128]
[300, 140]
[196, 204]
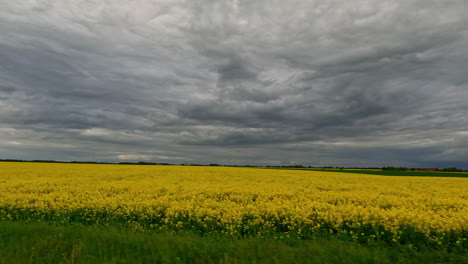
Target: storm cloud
[268, 82]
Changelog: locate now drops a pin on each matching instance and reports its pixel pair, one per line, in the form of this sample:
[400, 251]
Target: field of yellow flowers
[231, 201]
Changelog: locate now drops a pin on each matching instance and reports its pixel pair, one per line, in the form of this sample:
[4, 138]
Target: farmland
[414, 213]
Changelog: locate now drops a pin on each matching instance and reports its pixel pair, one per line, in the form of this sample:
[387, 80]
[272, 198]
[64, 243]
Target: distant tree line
[388, 168]
[394, 168]
[144, 163]
[452, 169]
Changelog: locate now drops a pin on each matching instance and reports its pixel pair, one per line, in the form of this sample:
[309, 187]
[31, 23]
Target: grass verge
[42, 243]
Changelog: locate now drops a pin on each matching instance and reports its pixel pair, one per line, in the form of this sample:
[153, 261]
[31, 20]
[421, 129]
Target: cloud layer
[323, 83]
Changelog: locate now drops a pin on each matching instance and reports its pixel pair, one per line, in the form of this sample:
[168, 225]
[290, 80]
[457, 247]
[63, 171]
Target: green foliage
[452, 169]
[394, 169]
[279, 229]
[41, 243]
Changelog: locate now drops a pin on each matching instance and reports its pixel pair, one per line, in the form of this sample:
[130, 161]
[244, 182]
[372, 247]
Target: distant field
[390, 173]
[415, 213]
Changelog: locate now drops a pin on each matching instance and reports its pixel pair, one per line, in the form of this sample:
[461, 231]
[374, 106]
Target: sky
[358, 83]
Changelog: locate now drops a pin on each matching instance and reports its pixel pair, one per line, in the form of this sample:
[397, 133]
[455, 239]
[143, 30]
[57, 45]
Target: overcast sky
[319, 82]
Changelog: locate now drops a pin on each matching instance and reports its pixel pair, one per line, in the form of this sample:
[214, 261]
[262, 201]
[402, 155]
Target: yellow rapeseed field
[239, 201]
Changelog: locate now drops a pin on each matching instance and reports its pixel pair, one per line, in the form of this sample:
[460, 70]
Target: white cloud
[14, 143]
[134, 157]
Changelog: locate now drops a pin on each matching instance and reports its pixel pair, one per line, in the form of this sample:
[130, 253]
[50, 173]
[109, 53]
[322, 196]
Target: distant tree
[395, 168]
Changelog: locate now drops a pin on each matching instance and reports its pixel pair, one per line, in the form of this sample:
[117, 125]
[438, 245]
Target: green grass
[364, 233]
[388, 173]
[42, 243]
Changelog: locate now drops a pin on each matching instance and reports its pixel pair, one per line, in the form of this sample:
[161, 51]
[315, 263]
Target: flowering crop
[240, 201]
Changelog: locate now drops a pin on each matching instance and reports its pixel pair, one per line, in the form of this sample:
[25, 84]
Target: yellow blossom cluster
[239, 201]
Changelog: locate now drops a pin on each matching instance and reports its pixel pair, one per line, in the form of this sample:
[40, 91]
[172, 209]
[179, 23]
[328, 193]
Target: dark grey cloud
[7, 89]
[326, 83]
